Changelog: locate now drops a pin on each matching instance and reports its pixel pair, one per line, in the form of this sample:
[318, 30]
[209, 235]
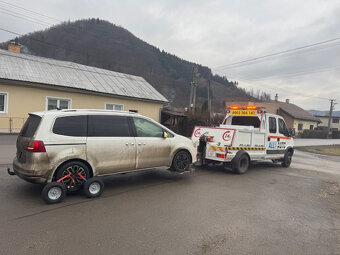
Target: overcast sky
[216, 33]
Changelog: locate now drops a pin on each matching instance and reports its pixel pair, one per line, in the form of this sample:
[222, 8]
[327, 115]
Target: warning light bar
[249, 107]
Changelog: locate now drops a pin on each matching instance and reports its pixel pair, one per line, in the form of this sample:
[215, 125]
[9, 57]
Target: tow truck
[247, 133]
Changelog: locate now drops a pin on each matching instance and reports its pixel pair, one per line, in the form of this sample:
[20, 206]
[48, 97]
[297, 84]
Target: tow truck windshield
[243, 121]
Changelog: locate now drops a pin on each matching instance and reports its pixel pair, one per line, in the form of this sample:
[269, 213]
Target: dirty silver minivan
[88, 143]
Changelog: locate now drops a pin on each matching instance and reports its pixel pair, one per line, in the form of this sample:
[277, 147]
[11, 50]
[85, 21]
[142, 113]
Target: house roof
[39, 70]
[297, 112]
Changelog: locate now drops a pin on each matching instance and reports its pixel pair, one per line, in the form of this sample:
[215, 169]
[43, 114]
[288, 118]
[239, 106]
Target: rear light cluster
[36, 146]
[219, 155]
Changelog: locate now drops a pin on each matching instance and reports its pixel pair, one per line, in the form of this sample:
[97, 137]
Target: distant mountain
[101, 44]
[324, 113]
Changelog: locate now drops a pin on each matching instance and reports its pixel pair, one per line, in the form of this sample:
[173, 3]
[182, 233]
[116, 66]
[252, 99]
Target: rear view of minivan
[80, 144]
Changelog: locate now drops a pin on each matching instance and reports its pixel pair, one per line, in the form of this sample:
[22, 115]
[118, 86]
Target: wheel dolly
[55, 192]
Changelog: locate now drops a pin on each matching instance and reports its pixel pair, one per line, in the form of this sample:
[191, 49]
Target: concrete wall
[25, 99]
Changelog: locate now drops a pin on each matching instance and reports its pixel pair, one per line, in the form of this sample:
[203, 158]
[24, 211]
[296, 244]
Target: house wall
[324, 122]
[25, 99]
[305, 125]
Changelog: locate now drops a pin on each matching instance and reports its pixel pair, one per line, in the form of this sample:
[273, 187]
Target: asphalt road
[269, 210]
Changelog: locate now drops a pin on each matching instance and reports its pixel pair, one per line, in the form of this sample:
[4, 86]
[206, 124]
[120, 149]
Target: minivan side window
[71, 126]
[108, 126]
[272, 125]
[145, 128]
[282, 127]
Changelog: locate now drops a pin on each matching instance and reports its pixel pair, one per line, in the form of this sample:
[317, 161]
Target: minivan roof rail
[95, 110]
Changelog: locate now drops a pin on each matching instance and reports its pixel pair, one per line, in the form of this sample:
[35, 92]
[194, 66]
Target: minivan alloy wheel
[181, 161]
[73, 175]
[74, 170]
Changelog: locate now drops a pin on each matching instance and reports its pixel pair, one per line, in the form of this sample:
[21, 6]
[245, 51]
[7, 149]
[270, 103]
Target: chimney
[276, 97]
[14, 46]
[287, 100]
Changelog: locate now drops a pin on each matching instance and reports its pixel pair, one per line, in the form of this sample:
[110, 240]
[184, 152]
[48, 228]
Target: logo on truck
[197, 132]
[227, 135]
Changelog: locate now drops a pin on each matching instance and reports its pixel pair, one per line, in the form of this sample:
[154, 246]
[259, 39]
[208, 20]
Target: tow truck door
[284, 138]
[272, 137]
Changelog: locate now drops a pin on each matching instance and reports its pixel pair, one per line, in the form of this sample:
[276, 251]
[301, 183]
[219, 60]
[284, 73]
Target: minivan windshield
[30, 126]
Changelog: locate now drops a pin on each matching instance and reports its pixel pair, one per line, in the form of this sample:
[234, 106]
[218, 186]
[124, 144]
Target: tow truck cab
[249, 131]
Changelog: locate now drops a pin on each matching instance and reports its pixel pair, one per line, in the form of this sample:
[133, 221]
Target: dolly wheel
[53, 192]
[94, 187]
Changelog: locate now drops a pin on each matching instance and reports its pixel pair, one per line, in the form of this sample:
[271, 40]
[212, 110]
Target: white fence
[11, 125]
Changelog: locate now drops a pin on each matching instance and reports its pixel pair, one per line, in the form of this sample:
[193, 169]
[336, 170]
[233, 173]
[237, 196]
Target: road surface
[269, 210]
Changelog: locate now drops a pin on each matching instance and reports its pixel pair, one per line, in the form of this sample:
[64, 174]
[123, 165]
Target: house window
[3, 102]
[335, 120]
[114, 107]
[311, 127]
[300, 126]
[58, 103]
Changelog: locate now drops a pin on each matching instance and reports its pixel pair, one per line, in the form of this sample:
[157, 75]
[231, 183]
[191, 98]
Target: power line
[22, 8]
[14, 15]
[282, 56]
[288, 92]
[26, 16]
[294, 74]
[222, 67]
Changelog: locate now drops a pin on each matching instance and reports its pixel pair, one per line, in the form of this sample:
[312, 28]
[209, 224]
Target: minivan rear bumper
[28, 175]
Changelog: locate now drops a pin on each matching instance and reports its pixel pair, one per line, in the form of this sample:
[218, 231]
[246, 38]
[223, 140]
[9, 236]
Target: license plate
[243, 112]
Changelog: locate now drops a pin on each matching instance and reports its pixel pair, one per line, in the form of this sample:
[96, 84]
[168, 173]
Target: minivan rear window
[108, 126]
[71, 126]
[30, 126]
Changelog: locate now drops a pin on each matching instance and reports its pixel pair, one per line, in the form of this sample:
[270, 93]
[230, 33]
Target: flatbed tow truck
[246, 134]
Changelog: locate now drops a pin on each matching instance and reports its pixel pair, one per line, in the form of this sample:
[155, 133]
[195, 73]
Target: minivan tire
[94, 187]
[75, 166]
[181, 161]
[53, 192]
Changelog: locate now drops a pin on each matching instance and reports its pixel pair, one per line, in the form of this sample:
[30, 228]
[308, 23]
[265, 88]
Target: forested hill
[102, 44]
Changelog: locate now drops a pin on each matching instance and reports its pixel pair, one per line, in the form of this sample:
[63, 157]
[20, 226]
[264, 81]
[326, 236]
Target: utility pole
[209, 101]
[193, 89]
[330, 118]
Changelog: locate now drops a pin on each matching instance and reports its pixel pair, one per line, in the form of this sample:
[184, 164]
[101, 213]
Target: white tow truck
[246, 134]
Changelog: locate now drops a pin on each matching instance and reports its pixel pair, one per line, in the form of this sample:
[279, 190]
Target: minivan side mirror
[165, 135]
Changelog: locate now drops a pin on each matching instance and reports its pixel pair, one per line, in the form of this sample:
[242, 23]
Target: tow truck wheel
[287, 159]
[94, 187]
[53, 192]
[240, 163]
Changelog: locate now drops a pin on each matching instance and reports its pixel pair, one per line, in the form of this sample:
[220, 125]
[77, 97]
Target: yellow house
[29, 83]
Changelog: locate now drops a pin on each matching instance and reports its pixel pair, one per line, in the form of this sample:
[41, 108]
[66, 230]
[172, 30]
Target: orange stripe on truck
[281, 137]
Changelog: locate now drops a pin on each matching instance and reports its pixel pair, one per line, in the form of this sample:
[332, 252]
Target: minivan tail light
[36, 146]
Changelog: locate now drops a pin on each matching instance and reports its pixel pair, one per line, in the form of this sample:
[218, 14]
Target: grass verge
[333, 150]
